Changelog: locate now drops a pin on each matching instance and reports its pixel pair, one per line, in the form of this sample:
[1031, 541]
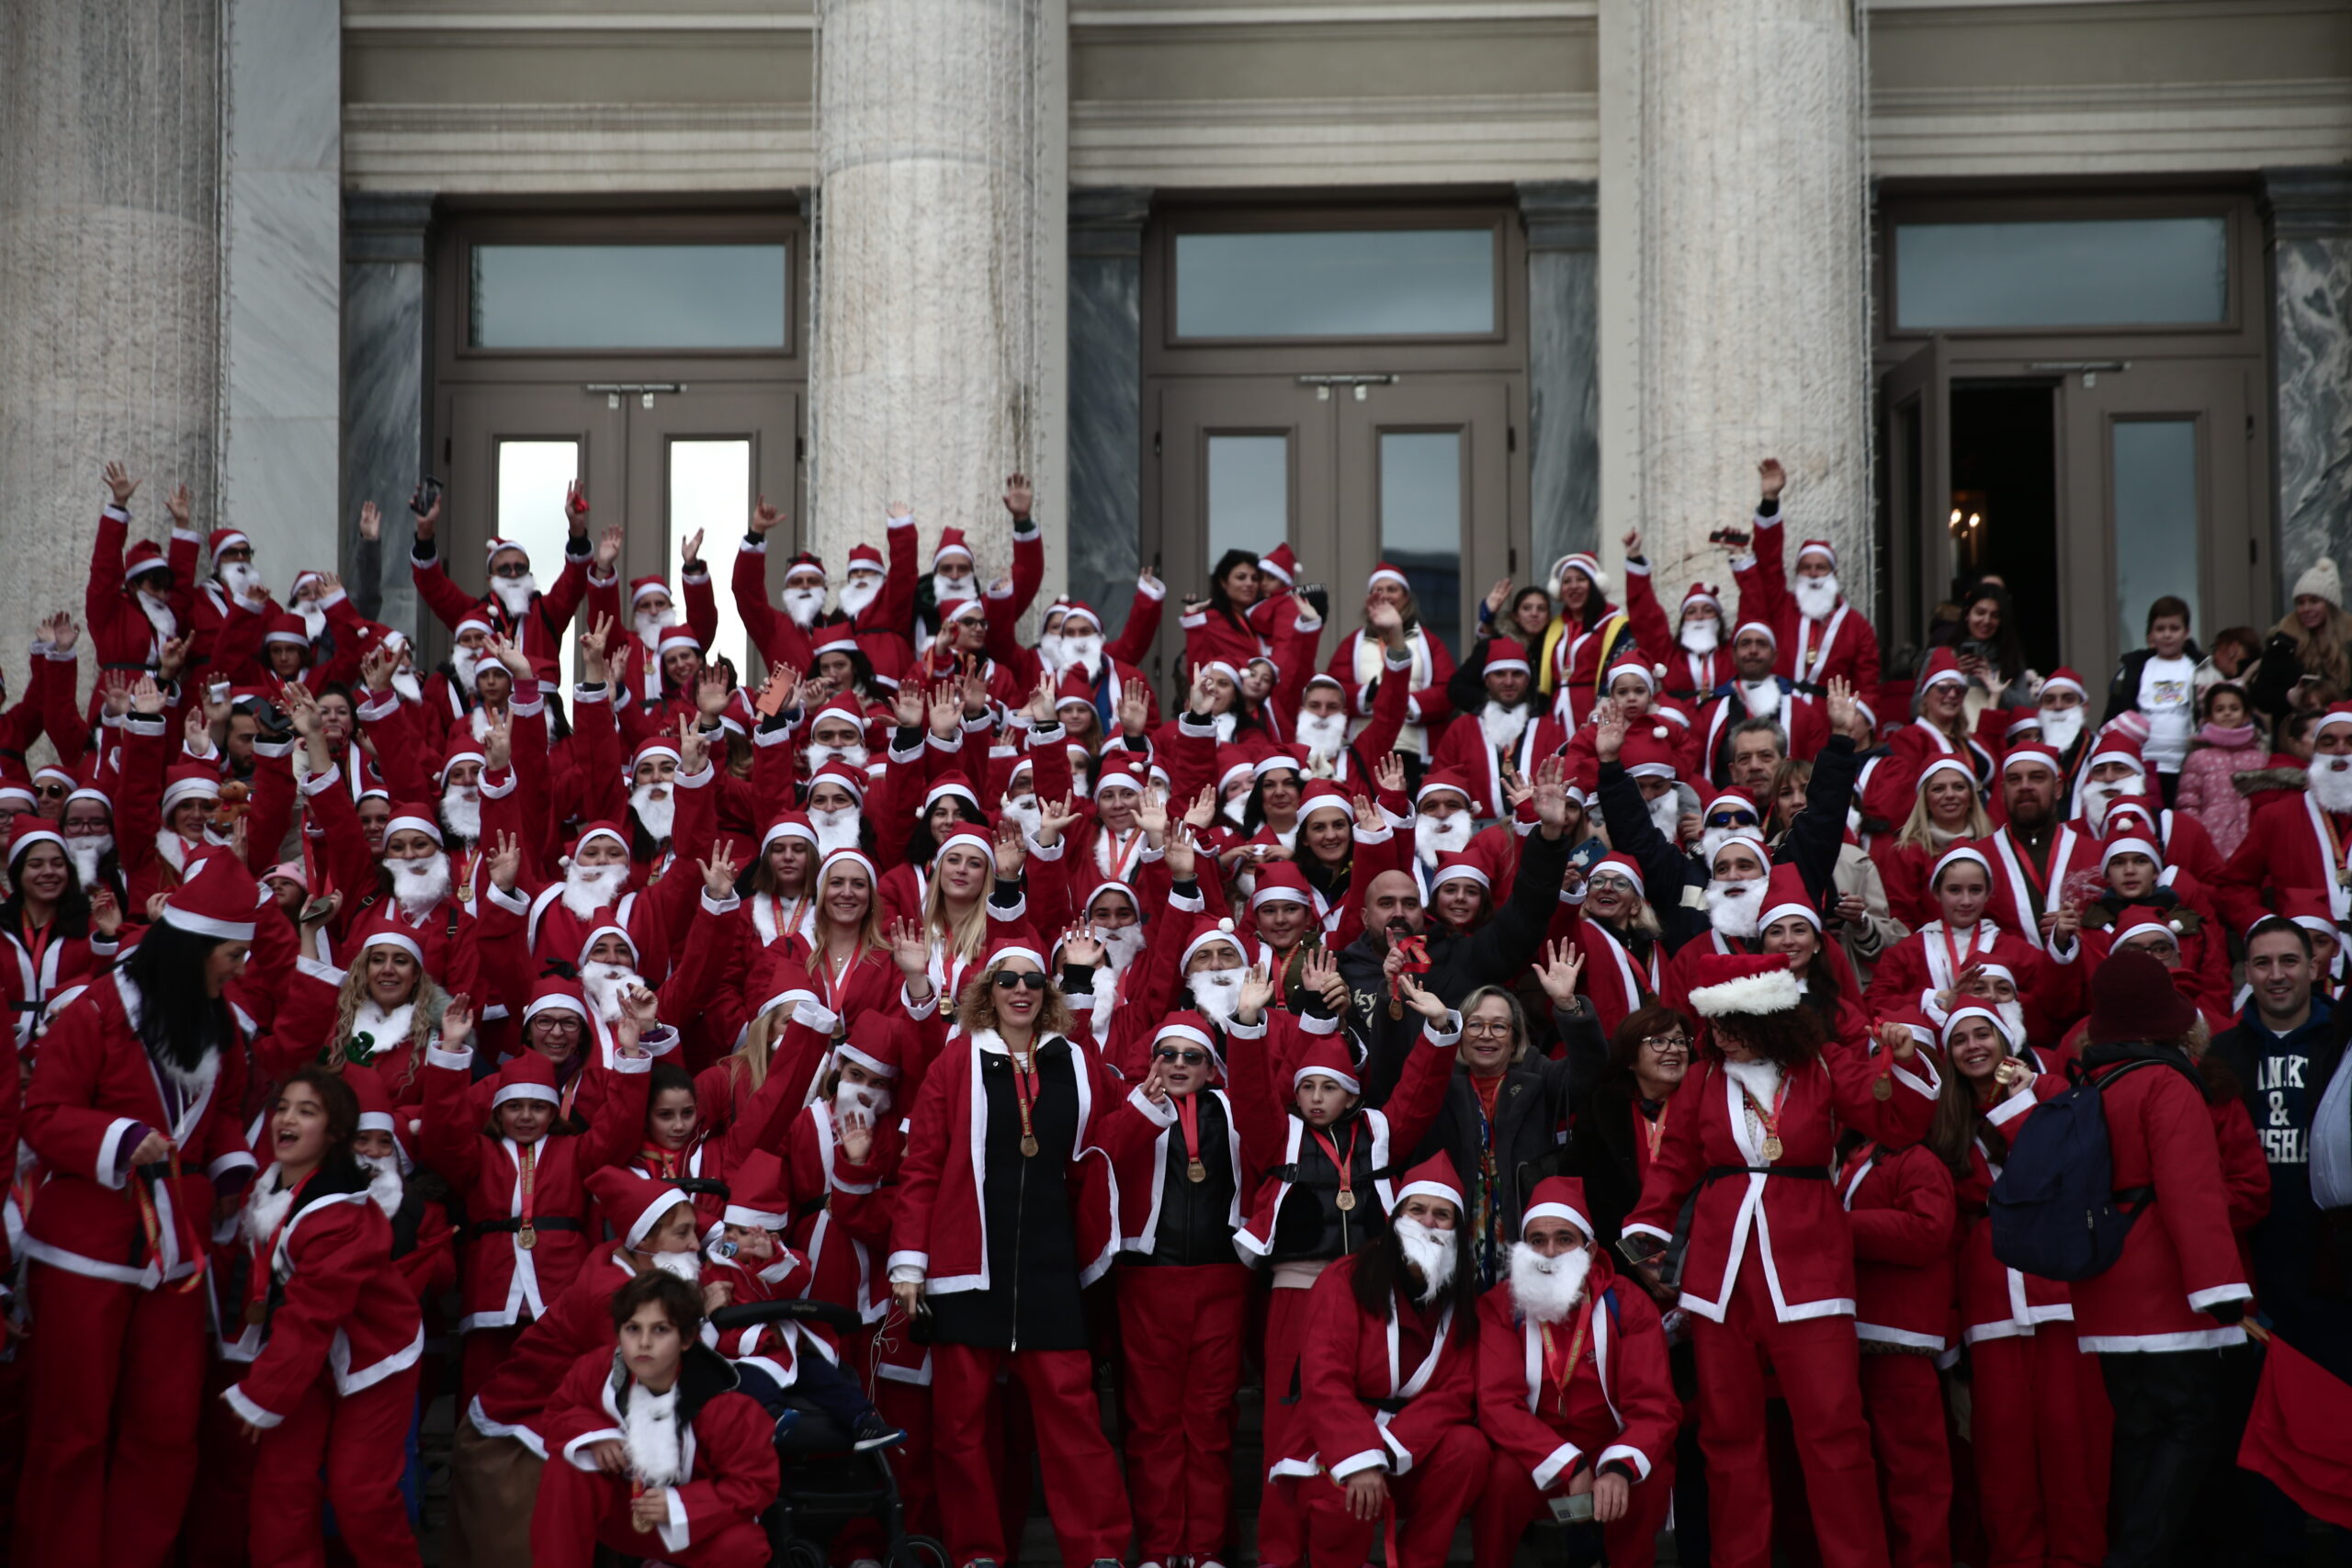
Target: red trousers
[2042, 1432]
[907, 1406]
[118, 1379]
[1817, 1361]
[361, 1442]
[214, 1535]
[1082, 1475]
[1181, 1331]
[1427, 1502]
[1512, 1503]
[575, 1511]
[1905, 1404]
[1281, 1529]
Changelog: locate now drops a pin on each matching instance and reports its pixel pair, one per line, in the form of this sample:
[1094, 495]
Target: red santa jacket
[1811, 653]
[1892, 783]
[335, 1300]
[545, 622]
[516, 1401]
[120, 632]
[1905, 1226]
[1997, 1302]
[1804, 721]
[1616, 982]
[94, 1093]
[1619, 1401]
[1432, 666]
[725, 1442]
[1136, 1139]
[1464, 747]
[1806, 1243]
[2021, 894]
[37, 965]
[1915, 970]
[1353, 1366]
[1688, 674]
[2291, 844]
[843, 1209]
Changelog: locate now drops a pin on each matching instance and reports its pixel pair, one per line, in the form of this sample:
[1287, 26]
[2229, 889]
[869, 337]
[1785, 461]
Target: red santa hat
[189, 781]
[640, 587]
[1384, 572]
[1749, 984]
[1282, 758]
[1820, 547]
[2020, 722]
[804, 560]
[16, 797]
[2064, 679]
[1324, 794]
[1753, 842]
[951, 548]
[492, 549]
[1505, 653]
[391, 936]
[1559, 1198]
[1205, 931]
[788, 825]
[2033, 753]
[216, 897]
[1955, 856]
[1944, 765]
[416, 819]
[2128, 845]
[1731, 800]
[873, 1044]
[1648, 756]
[526, 1076]
[2112, 746]
[28, 830]
[1234, 765]
[1280, 563]
[1074, 688]
[1960, 1015]
[463, 748]
[2338, 713]
[221, 540]
[838, 637]
[851, 779]
[1327, 1056]
[1129, 773]
[588, 943]
[2128, 808]
[951, 783]
[1577, 560]
[287, 627]
[652, 749]
[1433, 1178]
[477, 621]
[553, 993]
[1014, 942]
[1759, 629]
[375, 1107]
[1627, 661]
[1453, 865]
[971, 836]
[1786, 894]
[632, 1204]
[675, 637]
[1624, 865]
[144, 556]
[864, 557]
[592, 832]
[1280, 882]
[853, 855]
[1078, 610]
[2140, 918]
[958, 606]
[1439, 781]
[1943, 666]
[1705, 593]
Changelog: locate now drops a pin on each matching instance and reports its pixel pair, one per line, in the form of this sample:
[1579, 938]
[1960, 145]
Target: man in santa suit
[1820, 634]
[137, 602]
[2035, 851]
[2116, 771]
[876, 602]
[2062, 718]
[514, 607]
[1755, 691]
[1388, 1444]
[1574, 1390]
[233, 610]
[1105, 670]
[1509, 731]
[2304, 842]
[652, 1452]
[1698, 662]
[1361, 659]
[636, 647]
[1624, 957]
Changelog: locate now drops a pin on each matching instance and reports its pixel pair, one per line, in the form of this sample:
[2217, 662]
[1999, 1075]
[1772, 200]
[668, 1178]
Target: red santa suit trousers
[1425, 1505]
[1818, 1363]
[1082, 1475]
[1282, 1530]
[576, 1511]
[361, 1440]
[1905, 1405]
[1180, 1333]
[1512, 1503]
[2041, 1433]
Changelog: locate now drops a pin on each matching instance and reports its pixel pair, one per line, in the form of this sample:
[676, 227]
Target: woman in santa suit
[1574, 1389]
[1393, 624]
[2039, 1422]
[846, 958]
[341, 1335]
[133, 1112]
[1387, 1381]
[1945, 811]
[1740, 1203]
[1789, 925]
[57, 935]
[1935, 964]
[1005, 1215]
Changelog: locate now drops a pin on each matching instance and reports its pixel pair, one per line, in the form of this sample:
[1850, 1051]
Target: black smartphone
[426, 495]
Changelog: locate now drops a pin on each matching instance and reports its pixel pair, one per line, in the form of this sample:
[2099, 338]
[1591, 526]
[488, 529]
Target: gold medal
[256, 1313]
[1196, 1171]
[1772, 1147]
[465, 893]
[1028, 1145]
[526, 1238]
[2343, 877]
[1347, 1201]
[1881, 1087]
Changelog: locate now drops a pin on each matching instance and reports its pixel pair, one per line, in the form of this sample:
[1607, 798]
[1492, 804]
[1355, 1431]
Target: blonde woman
[975, 885]
[1945, 810]
[2307, 659]
[383, 1012]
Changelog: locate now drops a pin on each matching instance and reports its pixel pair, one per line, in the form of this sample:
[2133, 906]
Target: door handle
[2088, 369]
[1323, 384]
[644, 389]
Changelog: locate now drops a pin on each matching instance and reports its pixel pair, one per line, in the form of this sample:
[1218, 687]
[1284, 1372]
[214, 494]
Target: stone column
[2310, 332]
[1562, 366]
[1750, 286]
[1106, 394]
[109, 280]
[385, 286]
[938, 126]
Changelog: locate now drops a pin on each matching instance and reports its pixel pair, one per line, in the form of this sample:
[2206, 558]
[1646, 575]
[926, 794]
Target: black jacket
[2123, 691]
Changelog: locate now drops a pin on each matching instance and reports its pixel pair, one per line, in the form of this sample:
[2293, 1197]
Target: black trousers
[2169, 1426]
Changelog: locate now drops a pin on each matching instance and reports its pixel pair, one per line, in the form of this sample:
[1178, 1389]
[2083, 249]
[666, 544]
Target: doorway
[2004, 515]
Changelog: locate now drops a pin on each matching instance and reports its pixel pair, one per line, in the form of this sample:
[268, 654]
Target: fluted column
[1752, 276]
[110, 279]
[937, 292]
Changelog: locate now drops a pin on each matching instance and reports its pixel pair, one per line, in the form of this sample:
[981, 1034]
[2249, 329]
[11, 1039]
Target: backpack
[2054, 1210]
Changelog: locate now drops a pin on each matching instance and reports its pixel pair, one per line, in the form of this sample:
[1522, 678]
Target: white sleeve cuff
[727, 906]
[512, 903]
[1370, 1459]
[2215, 1294]
[455, 1061]
[108, 1170]
[633, 1064]
[909, 1268]
[1158, 1115]
[1445, 1035]
[1630, 1454]
[2020, 1101]
[326, 973]
[575, 1453]
[812, 1014]
[1558, 1461]
[253, 1415]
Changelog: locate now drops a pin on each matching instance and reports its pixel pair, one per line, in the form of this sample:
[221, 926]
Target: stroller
[826, 1483]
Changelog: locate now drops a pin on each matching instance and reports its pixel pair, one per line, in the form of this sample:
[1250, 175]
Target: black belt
[1669, 1268]
[128, 664]
[510, 1225]
[702, 1187]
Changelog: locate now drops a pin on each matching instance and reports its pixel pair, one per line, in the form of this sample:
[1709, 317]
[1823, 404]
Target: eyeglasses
[1189, 1058]
[1486, 1030]
[1608, 883]
[1666, 1045]
[558, 1023]
[1006, 979]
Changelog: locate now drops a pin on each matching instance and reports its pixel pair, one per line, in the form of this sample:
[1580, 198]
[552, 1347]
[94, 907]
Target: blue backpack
[2054, 1210]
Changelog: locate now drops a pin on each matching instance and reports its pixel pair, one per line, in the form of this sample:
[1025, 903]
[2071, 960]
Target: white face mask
[686, 1265]
[804, 603]
[514, 593]
[1547, 1289]
[1815, 596]
[862, 589]
[1431, 1253]
[1703, 635]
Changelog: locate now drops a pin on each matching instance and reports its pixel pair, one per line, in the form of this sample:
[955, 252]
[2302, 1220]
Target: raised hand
[457, 1025]
[1257, 990]
[1517, 791]
[1081, 946]
[1369, 817]
[1900, 1043]
[1497, 596]
[1182, 853]
[1202, 811]
[897, 512]
[1421, 1000]
[596, 667]
[428, 517]
[1010, 852]
[1608, 731]
[946, 710]
[1320, 972]
[1562, 966]
[608, 547]
[498, 744]
[196, 730]
[1152, 815]
[116, 687]
[302, 709]
[975, 689]
[1551, 794]
[712, 692]
[506, 861]
[693, 751]
[1389, 773]
[61, 632]
[911, 950]
[371, 522]
[1018, 496]
[376, 668]
[1388, 621]
[119, 481]
[718, 873]
[106, 911]
[146, 697]
[172, 657]
[576, 509]
[765, 516]
[1135, 711]
[1838, 693]
[1633, 543]
[1041, 701]
[690, 552]
[1203, 691]
[641, 1007]
[1056, 818]
[906, 704]
[1770, 478]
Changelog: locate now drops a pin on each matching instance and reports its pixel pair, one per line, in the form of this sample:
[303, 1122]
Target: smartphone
[426, 496]
[1574, 1509]
[772, 696]
[1589, 853]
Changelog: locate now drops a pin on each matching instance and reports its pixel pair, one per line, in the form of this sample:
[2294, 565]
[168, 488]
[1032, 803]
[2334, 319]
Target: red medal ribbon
[1561, 1369]
[1344, 1166]
[257, 1279]
[1188, 1122]
[1768, 1120]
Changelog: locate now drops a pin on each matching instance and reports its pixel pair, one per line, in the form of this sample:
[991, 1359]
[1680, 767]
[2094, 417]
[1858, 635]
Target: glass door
[1915, 541]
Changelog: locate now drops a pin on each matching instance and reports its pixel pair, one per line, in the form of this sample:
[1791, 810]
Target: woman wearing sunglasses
[1003, 1217]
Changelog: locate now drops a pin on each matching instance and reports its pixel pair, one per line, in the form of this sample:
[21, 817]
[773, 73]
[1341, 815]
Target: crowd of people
[1570, 1076]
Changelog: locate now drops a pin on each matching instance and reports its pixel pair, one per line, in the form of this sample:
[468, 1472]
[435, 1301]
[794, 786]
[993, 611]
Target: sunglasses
[1006, 981]
[1189, 1058]
[51, 791]
[510, 568]
[1731, 820]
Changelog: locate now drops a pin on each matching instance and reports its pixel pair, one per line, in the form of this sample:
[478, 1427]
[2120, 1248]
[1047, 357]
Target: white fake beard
[656, 806]
[1430, 1252]
[686, 1265]
[2061, 728]
[652, 1430]
[461, 809]
[650, 623]
[1733, 907]
[1502, 726]
[314, 620]
[836, 829]
[1547, 1289]
[1049, 651]
[2013, 1014]
[240, 578]
[410, 689]
[85, 854]
[606, 984]
[944, 587]
[1326, 735]
[1761, 700]
[1120, 945]
[419, 886]
[1217, 992]
[1702, 635]
[588, 888]
[851, 1097]
[1666, 815]
[1817, 596]
[465, 662]
[1084, 652]
[2098, 797]
[803, 605]
[1023, 809]
[514, 593]
[862, 589]
[159, 615]
[266, 1207]
[2332, 783]
[1236, 808]
[1433, 836]
[384, 1182]
[816, 757]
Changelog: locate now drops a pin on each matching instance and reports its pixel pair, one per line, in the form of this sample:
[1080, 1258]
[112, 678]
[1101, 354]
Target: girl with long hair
[1946, 811]
[383, 1012]
[1219, 628]
[1933, 967]
[844, 954]
[57, 932]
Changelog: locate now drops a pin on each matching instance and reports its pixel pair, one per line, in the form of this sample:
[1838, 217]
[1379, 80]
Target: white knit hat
[2321, 577]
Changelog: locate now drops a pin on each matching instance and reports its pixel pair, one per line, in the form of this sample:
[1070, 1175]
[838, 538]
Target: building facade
[2057, 288]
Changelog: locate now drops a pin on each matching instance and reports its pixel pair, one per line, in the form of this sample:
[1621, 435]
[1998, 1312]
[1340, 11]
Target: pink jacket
[2206, 789]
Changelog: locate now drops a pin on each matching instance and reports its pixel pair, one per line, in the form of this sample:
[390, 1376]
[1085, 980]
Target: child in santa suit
[1387, 1378]
[1574, 1389]
[133, 1112]
[652, 1452]
[341, 1335]
[524, 1184]
[416, 1202]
